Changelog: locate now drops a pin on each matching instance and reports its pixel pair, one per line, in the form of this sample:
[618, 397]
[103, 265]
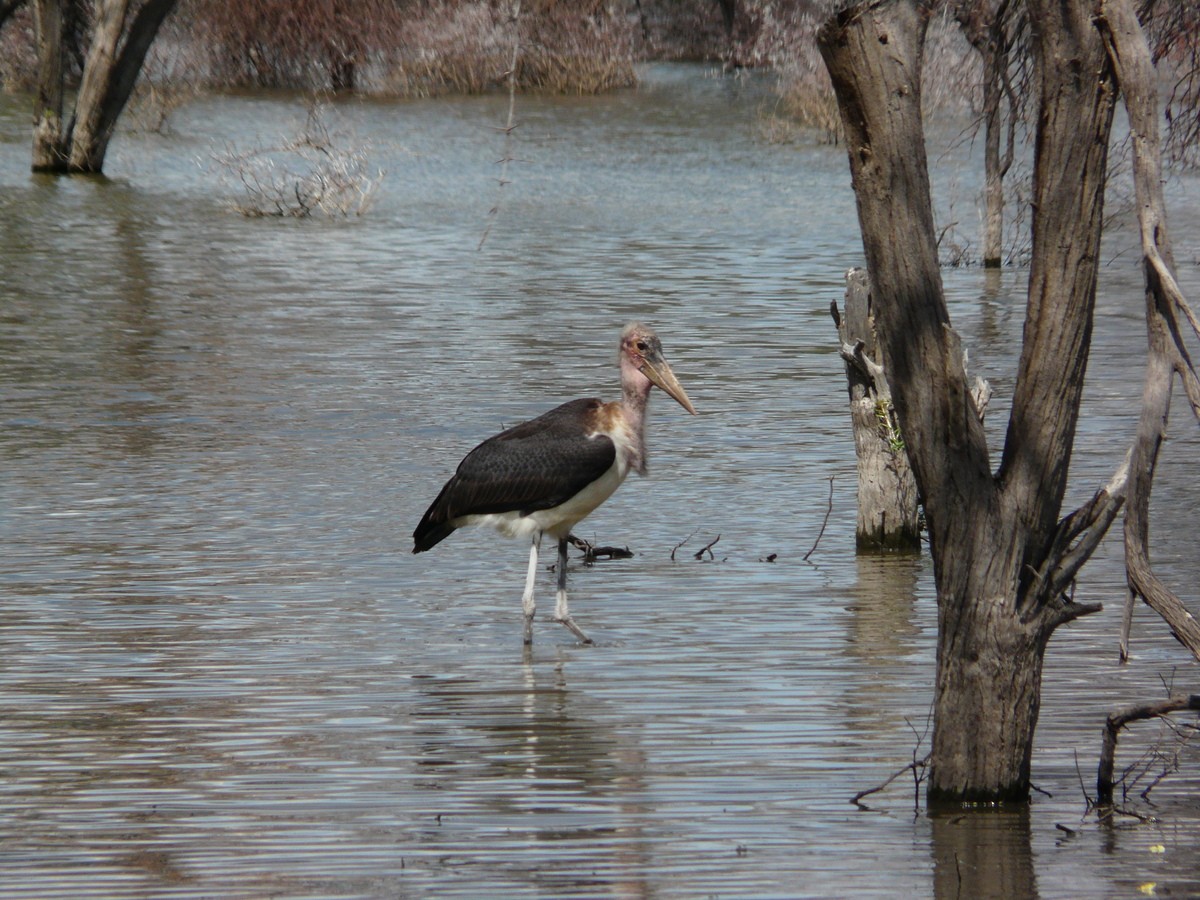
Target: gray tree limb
[1165, 307]
[1118, 720]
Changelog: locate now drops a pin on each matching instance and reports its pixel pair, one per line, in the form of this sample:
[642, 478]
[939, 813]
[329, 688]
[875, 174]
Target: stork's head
[641, 355]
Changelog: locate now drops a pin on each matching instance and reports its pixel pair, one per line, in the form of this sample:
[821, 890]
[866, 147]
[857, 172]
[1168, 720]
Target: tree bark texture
[109, 75]
[990, 537]
[1076, 107]
[7, 8]
[993, 191]
[888, 508]
[114, 60]
[49, 143]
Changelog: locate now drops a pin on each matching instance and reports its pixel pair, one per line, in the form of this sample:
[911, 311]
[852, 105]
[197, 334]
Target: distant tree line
[386, 47]
[422, 47]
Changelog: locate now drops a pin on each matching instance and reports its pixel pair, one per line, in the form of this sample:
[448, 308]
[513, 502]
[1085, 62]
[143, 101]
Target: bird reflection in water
[542, 764]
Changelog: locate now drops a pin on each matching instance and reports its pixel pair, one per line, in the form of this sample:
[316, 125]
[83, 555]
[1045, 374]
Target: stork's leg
[527, 602]
[561, 613]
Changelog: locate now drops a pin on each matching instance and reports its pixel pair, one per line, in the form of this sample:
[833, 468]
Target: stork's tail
[435, 525]
[429, 534]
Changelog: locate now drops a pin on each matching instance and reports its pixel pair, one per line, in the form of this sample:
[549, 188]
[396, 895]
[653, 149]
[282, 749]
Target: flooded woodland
[223, 673]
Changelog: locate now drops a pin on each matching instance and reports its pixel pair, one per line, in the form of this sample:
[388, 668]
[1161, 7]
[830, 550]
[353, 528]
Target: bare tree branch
[1118, 720]
[1168, 356]
[1078, 536]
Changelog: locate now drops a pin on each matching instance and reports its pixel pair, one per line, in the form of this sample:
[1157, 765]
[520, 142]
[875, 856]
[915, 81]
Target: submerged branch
[914, 766]
[824, 522]
[1118, 720]
[591, 552]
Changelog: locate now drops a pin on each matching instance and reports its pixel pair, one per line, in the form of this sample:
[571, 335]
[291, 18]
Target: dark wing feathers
[535, 465]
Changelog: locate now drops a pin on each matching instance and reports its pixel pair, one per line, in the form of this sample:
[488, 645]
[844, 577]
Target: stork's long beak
[660, 373]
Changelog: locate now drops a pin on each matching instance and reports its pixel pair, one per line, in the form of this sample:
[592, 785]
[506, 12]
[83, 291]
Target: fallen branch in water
[591, 552]
[1118, 720]
[914, 766]
[707, 548]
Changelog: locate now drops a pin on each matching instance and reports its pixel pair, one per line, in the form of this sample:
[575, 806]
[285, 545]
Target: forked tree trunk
[114, 60]
[1002, 558]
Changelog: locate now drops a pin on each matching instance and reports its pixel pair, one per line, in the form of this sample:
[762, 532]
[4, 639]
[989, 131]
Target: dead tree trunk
[888, 508]
[990, 29]
[114, 60]
[49, 143]
[1002, 557]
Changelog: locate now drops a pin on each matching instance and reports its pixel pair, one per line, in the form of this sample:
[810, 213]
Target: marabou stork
[543, 476]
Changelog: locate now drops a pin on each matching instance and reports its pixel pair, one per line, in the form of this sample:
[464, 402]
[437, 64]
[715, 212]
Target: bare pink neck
[635, 397]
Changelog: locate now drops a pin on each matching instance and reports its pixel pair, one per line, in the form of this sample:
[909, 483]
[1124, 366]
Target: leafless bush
[1174, 33]
[407, 48]
[464, 48]
[152, 104]
[572, 48]
[17, 60]
[301, 176]
[951, 75]
[1157, 762]
[450, 48]
[682, 29]
[785, 40]
[299, 44]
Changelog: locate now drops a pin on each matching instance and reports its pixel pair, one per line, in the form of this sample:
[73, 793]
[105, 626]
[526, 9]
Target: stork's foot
[575, 629]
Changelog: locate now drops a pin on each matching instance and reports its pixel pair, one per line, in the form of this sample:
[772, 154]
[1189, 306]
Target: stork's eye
[642, 346]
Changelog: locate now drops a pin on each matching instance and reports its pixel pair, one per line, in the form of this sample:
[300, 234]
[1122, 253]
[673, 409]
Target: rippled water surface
[222, 673]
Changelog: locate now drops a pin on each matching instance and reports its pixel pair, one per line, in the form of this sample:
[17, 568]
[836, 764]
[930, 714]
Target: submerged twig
[591, 552]
[707, 548]
[914, 766]
[681, 543]
[1116, 722]
[825, 522]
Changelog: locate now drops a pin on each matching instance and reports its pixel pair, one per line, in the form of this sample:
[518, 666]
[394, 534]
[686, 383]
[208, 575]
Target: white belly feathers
[558, 521]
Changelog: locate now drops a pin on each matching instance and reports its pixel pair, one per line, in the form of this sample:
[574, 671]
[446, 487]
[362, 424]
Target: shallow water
[222, 673]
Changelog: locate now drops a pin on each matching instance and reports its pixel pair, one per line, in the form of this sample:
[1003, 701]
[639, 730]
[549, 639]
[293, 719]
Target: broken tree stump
[888, 504]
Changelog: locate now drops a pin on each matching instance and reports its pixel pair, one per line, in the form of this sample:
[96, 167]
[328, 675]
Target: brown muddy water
[222, 673]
